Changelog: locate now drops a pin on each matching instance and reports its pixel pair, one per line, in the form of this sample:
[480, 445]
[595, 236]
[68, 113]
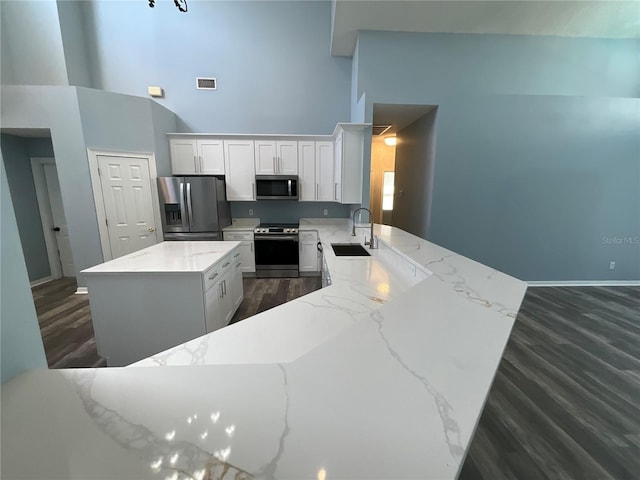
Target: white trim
[46, 217]
[41, 281]
[82, 291]
[589, 283]
[99, 200]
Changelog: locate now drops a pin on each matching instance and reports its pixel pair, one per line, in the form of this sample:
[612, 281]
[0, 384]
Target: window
[387, 190]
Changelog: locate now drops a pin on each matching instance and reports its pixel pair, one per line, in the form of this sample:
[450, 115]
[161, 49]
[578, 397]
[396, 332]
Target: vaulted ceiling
[599, 19]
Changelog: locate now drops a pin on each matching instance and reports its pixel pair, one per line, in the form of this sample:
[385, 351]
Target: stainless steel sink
[349, 250]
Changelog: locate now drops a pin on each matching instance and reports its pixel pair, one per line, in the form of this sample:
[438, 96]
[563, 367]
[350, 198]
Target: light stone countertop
[167, 257]
[383, 374]
[242, 224]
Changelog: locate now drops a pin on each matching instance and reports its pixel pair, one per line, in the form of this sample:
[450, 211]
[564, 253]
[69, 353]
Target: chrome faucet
[371, 242]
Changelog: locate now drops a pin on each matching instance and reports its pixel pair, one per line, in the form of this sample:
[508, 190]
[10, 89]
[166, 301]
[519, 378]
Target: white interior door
[59, 221]
[128, 203]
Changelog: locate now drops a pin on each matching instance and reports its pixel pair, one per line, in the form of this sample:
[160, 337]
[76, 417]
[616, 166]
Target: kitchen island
[162, 296]
[382, 374]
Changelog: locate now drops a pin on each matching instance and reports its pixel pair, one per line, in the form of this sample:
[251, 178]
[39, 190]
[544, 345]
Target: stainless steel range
[276, 249]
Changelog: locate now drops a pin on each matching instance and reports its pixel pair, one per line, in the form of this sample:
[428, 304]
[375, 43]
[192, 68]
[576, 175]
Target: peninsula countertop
[383, 374]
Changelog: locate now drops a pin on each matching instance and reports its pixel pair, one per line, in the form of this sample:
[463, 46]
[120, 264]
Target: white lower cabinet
[224, 291]
[247, 256]
[309, 253]
[138, 314]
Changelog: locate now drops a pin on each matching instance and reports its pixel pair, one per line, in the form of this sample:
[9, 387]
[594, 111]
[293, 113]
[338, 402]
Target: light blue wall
[32, 43]
[413, 64]
[288, 211]
[21, 342]
[16, 153]
[538, 146]
[71, 18]
[79, 119]
[271, 59]
[414, 167]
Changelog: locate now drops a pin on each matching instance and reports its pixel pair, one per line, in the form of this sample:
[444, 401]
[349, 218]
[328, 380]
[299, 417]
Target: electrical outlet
[612, 265]
[326, 212]
[251, 212]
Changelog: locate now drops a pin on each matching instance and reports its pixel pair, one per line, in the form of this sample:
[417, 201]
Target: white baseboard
[589, 283]
[41, 281]
[82, 291]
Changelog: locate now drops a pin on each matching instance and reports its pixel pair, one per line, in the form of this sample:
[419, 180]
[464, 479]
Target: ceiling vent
[380, 129]
[206, 83]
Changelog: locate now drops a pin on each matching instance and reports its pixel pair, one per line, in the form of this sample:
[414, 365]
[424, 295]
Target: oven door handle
[276, 237]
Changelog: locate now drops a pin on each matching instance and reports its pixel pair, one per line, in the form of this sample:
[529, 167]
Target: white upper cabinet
[184, 154]
[307, 188]
[191, 156]
[265, 157]
[337, 169]
[276, 157]
[324, 172]
[211, 157]
[349, 152]
[287, 162]
[329, 169]
[240, 173]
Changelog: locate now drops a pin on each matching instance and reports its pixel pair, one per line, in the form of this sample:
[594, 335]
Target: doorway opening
[402, 166]
[64, 318]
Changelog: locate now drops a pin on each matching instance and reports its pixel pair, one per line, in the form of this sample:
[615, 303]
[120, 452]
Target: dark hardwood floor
[565, 403]
[261, 294]
[65, 325]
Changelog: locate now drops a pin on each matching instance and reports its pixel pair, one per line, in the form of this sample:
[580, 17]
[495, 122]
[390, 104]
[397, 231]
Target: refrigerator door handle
[183, 210]
[289, 186]
[189, 205]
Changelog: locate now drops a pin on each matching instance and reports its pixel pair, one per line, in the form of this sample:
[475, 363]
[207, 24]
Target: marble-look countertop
[382, 374]
[242, 224]
[167, 257]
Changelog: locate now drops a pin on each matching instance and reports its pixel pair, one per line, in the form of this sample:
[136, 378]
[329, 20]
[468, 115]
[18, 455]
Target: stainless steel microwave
[276, 187]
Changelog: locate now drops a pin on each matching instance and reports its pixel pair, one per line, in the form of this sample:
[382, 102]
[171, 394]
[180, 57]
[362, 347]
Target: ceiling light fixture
[180, 4]
[391, 141]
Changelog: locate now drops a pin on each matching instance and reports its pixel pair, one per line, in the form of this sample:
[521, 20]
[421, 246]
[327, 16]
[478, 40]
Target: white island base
[162, 296]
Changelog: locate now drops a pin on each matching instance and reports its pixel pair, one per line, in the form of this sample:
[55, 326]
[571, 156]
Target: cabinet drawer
[238, 236]
[308, 235]
[212, 275]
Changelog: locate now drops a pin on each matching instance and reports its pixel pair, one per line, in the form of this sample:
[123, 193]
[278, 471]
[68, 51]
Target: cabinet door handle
[253, 190]
[213, 276]
[236, 255]
[274, 165]
[335, 191]
[224, 286]
[220, 295]
[252, 246]
[225, 265]
[238, 264]
[195, 163]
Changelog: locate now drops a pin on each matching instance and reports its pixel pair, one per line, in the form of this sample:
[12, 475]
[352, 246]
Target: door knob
[151, 229]
[56, 229]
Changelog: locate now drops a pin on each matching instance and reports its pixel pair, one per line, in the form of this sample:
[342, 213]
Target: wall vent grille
[206, 83]
[380, 129]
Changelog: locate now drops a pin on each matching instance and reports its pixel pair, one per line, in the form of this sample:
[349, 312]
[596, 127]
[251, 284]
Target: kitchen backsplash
[288, 211]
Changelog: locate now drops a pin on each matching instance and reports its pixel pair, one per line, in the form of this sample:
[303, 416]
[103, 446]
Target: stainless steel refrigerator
[193, 208]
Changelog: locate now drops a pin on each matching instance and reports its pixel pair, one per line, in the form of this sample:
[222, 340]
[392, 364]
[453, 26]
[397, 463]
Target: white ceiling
[577, 18]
